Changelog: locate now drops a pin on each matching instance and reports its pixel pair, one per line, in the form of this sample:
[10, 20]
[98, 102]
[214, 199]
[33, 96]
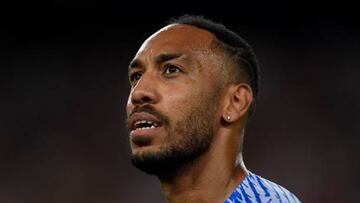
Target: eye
[134, 77]
[171, 69]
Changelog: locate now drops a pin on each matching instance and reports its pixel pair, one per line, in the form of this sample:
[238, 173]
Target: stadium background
[63, 92]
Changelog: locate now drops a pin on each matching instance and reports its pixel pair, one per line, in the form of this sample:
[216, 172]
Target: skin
[217, 172]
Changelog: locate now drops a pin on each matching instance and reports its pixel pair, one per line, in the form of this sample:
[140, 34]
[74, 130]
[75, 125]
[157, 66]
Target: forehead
[177, 38]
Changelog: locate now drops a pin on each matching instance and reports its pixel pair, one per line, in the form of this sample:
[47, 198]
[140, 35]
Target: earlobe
[228, 118]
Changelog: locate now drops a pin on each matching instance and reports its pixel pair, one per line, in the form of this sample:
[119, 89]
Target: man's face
[172, 106]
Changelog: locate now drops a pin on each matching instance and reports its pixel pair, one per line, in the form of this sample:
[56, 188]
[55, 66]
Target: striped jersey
[255, 189]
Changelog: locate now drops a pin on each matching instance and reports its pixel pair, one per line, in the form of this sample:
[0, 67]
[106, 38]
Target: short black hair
[235, 46]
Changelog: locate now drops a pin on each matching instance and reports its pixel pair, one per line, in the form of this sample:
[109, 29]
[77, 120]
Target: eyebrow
[135, 63]
[161, 58]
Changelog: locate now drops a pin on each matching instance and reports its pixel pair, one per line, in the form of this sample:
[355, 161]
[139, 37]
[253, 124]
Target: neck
[211, 178]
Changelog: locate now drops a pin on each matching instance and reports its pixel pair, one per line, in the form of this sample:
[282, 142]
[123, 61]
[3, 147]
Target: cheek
[129, 105]
[178, 102]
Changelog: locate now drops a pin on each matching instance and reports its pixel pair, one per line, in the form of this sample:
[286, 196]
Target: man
[193, 88]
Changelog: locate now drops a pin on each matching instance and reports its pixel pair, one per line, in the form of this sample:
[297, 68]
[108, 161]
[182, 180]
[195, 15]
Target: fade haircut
[233, 45]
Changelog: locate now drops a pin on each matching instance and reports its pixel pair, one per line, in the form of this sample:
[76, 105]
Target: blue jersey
[255, 189]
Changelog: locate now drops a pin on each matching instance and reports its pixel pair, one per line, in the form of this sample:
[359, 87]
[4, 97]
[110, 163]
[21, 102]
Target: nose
[145, 91]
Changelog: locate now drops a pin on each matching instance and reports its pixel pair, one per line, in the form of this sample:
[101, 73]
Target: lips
[143, 121]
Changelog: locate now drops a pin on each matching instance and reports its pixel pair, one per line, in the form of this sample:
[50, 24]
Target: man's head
[185, 80]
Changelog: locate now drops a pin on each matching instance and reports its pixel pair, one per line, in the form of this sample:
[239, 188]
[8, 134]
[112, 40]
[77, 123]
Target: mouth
[143, 124]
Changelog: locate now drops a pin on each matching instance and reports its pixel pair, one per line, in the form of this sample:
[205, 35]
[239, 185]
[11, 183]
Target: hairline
[231, 65]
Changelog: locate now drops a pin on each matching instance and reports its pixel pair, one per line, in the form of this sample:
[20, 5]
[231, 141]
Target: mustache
[164, 120]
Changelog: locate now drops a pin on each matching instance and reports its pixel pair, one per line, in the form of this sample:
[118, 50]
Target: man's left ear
[238, 102]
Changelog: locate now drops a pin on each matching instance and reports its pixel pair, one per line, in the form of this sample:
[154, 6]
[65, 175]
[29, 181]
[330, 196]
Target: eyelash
[133, 76]
[167, 66]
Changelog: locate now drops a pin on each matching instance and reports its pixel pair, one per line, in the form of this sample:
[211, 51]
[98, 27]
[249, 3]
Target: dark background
[63, 91]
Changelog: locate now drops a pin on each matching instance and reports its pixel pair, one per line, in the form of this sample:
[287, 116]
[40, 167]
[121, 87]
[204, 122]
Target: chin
[145, 145]
[144, 150]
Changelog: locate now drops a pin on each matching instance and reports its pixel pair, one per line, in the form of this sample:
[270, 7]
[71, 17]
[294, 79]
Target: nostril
[142, 99]
[146, 99]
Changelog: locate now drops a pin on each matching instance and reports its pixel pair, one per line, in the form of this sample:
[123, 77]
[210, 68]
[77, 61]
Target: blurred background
[64, 87]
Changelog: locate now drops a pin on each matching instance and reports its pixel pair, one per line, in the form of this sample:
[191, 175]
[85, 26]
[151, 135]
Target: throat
[203, 181]
[192, 183]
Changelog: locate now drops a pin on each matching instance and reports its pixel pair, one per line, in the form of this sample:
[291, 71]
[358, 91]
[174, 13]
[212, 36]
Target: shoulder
[258, 189]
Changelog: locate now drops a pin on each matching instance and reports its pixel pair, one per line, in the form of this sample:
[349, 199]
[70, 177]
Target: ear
[239, 99]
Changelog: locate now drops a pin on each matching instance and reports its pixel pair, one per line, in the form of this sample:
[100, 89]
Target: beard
[191, 138]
